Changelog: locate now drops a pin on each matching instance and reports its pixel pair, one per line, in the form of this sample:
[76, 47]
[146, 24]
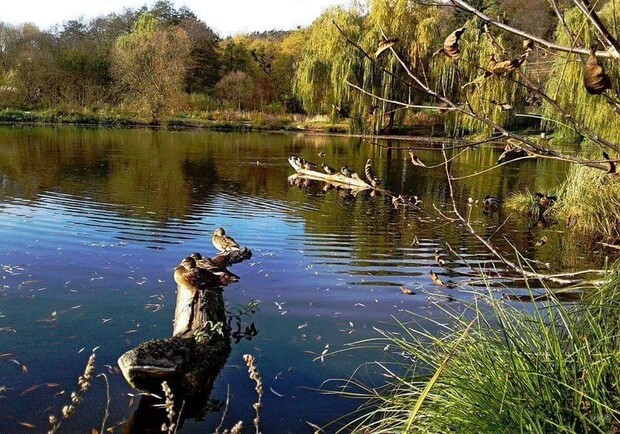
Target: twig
[219, 427]
[550, 45]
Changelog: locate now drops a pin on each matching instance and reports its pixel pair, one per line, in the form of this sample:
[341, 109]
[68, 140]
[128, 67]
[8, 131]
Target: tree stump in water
[192, 358]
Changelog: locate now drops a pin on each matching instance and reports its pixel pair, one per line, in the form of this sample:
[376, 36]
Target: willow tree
[150, 65]
[328, 61]
[566, 79]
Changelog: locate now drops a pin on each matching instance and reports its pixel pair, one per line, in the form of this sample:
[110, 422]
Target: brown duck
[223, 242]
[208, 264]
[595, 79]
[189, 276]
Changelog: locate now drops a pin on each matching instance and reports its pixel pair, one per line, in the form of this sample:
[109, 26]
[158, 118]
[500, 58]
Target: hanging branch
[589, 11]
[550, 45]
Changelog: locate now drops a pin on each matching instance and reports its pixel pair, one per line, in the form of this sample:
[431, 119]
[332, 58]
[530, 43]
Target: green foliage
[566, 80]
[552, 369]
[150, 65]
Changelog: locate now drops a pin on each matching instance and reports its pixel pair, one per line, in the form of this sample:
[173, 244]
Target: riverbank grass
[497, 368]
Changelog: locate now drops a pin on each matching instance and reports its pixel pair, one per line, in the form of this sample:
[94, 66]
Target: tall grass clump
[497, 368]
[589, 204]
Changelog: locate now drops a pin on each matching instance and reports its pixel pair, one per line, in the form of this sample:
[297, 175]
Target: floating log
[337, 179]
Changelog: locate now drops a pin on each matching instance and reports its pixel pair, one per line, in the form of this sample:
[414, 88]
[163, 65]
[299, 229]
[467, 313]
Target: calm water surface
[92, 223]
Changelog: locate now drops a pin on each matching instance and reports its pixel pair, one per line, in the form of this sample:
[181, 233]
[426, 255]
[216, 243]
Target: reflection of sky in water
[87, 261]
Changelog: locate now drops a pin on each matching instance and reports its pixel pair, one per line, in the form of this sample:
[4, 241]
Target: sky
[226, 17]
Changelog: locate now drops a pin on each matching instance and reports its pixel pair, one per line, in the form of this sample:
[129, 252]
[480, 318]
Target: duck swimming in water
[491, 204]
[223, 242]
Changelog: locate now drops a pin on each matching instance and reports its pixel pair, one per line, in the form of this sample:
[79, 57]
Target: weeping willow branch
[588, 10]
[576, 125]
[543, 42]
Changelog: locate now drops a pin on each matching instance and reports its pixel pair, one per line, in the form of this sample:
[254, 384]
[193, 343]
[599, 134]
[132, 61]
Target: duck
[451, 44]
[595, 79]
[308, 165]
[545, 200]
[223, 242]
[188, 276]
[398, 201]
[344, 170]
[207, 263]
[414, 159]
[328, 169]
[491, 204]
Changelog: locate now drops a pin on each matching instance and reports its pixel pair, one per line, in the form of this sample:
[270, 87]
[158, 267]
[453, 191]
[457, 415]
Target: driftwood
[337, 178]
[190, 360]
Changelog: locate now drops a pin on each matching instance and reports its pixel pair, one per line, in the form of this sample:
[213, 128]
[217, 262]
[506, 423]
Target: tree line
[162, 61]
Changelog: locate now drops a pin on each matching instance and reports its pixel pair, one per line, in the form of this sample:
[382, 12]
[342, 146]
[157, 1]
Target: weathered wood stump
[194, 355]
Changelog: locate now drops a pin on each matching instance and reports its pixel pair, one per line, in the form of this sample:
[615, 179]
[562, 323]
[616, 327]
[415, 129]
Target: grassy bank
[502, 369]
[419, 125]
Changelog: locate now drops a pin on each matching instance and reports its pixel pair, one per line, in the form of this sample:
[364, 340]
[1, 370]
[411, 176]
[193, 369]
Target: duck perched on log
[223, 242]
[343, 177]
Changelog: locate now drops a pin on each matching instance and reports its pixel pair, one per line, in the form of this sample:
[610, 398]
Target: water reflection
[93, 222]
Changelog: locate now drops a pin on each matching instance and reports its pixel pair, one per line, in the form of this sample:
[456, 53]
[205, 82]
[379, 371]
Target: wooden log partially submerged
[337, 178]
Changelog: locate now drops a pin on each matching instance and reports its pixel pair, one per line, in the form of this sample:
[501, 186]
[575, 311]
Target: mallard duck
[344, 170]
[491, 204]
[188, 276]
[545, 200]
[370, 176]
[308, 165]
[206, 263]
[595, 79]
[328, 169]
[451, 44]
[385, 45]
[223, 242]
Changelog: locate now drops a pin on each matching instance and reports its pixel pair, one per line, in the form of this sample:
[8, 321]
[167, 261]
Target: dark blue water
[92, 223]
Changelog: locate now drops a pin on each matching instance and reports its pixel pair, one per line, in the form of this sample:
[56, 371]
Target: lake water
[92, 223]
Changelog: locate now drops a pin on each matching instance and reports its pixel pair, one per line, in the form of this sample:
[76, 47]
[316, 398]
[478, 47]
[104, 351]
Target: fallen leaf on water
[406, 290]
[105, 320]
[301, 326]
[8, 329]
[94, 431]
[316, 427]
[31, 389]
[275, 393]
[76, 307]
[131, 331]
[5, 355]
[436, 280]
[24, 369]
[27, 425]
